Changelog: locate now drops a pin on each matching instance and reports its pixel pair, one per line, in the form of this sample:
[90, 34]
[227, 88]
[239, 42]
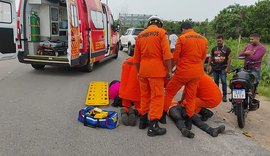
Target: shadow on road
[70, 71]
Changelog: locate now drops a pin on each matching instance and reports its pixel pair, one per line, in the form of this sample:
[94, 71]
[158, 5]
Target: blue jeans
[258, 72]
[223, 76]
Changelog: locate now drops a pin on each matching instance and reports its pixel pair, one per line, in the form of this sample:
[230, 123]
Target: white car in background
[128, 39]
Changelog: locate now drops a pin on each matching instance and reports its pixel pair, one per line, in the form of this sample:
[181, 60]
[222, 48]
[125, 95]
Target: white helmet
[155, 20]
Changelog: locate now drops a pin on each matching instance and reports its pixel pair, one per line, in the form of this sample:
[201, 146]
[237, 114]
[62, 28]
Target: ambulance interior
[47, 27]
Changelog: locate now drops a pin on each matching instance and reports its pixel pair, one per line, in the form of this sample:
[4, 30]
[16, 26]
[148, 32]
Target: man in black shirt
[220, 61]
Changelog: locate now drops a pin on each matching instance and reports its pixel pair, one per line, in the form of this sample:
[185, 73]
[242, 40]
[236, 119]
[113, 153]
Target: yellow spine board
[97, 94]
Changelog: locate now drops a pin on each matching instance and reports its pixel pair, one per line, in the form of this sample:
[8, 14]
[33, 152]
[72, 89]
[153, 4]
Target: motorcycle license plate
[239, 94]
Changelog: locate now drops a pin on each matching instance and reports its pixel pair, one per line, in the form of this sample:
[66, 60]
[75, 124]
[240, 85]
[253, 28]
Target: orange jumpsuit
[129, 87]
[208, 94]
[190, 52]
[152, 48]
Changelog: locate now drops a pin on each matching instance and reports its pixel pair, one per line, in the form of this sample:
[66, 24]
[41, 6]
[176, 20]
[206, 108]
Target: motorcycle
[243, 87]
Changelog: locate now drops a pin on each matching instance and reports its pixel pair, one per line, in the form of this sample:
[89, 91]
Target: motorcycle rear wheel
[240, 115]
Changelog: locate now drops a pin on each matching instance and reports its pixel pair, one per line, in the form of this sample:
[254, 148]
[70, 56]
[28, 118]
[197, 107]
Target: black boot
[154, 129]
[206, 114]
[203, 126]
[124, 116]
[185, 132]
[131, 117]
[174, 114]
[215, 131]
[163, 118]
[144, 121]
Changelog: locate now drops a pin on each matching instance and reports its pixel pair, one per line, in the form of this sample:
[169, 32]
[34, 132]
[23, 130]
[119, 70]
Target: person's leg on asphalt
[156, 106]
[175, 114]
[145, 102]
[203, 126]
[224, 85]
[188, 103]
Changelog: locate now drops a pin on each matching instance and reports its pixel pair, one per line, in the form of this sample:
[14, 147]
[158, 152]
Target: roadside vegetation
[264, 86]
[236, 23]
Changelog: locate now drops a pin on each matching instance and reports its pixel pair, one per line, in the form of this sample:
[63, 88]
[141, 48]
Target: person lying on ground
[177, 113]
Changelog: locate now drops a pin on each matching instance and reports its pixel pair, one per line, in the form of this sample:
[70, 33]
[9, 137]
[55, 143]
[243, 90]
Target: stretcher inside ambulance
[64, 32]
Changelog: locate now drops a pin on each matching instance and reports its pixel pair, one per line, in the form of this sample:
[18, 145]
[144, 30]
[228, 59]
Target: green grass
[264, 91]
[264, 86]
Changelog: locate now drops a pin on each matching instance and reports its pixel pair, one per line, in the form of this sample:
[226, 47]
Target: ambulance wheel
[130, 50]
[89, 67]
[38, 66]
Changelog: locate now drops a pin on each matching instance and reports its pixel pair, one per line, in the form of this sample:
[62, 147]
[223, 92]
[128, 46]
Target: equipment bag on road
[92, 118]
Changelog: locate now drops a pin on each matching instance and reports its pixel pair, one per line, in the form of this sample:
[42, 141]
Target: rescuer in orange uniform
[189, 54]
[153, 61]
[208, 96]
[129, 92]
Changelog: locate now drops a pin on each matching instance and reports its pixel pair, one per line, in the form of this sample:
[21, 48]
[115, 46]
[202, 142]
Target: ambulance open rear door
[8, 31]
[73, 31]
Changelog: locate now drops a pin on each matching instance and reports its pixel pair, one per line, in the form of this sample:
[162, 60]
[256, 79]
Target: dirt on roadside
[257, 122]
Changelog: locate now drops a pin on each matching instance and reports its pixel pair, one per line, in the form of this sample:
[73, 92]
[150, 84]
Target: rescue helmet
[155, 20]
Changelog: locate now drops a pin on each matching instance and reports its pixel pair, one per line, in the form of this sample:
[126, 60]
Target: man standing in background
[254, 52]
[173, 38]
[220, 61]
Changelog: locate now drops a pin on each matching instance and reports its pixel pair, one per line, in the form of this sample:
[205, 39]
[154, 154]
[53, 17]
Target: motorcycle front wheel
[240, 115]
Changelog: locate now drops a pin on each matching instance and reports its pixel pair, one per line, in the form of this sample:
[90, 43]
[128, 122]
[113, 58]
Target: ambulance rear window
[5, 12]
[74, 16]
[97, 19]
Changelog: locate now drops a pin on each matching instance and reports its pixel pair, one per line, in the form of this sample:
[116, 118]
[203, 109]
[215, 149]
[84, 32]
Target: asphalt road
[38, 116]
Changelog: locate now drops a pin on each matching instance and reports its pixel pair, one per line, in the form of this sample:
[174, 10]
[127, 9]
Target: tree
[204, 28]
[231, 21]
[237, 20]
[260, 20]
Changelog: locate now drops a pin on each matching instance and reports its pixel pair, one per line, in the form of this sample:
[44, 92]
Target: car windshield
[137, 31]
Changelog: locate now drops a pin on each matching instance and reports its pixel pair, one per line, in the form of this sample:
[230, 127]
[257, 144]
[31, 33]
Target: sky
[175, 10]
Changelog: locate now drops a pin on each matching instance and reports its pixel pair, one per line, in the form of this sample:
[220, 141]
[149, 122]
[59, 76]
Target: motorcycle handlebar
[252, 62]
[235, 70]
